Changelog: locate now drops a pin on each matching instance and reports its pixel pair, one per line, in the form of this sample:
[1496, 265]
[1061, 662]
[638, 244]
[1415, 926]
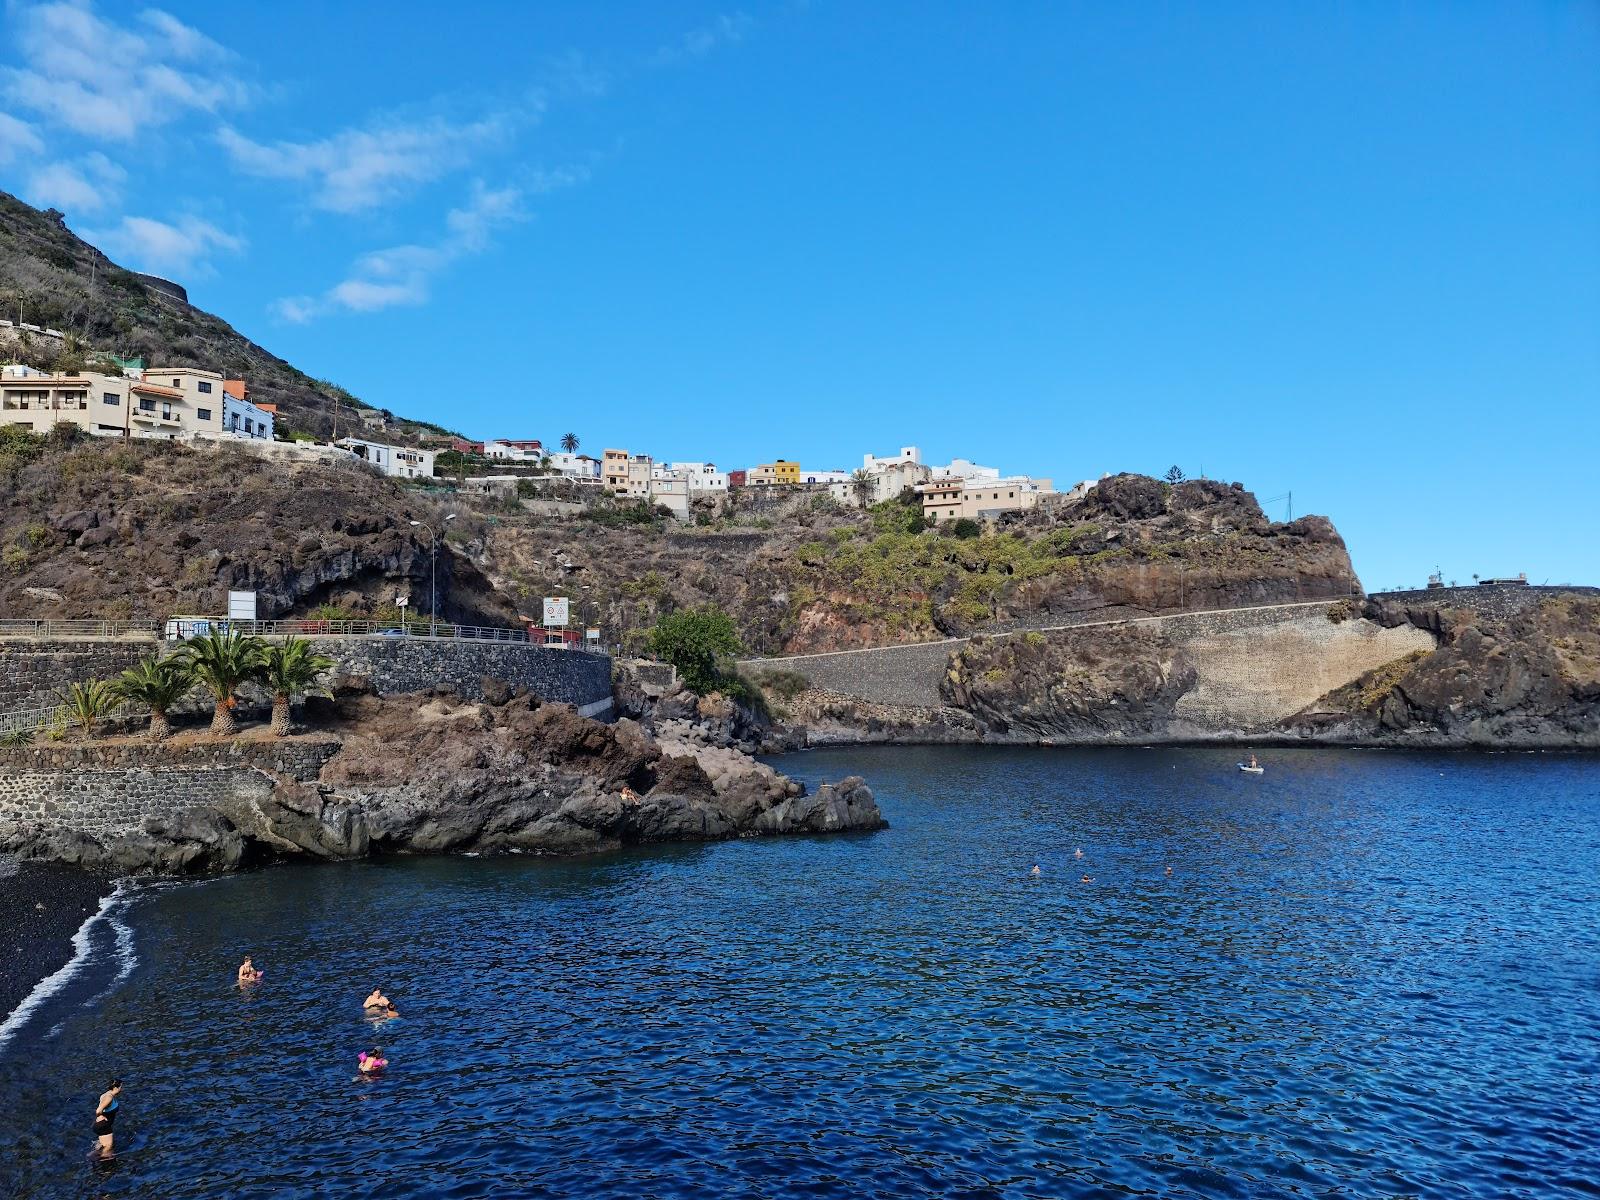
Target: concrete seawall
[1253, 666]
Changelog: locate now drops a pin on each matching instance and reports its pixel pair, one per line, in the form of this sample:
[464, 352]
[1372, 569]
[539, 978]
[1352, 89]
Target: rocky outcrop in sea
[430, 773]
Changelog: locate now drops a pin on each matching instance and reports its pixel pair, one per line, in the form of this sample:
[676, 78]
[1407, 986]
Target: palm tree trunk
[280, 715]
[160, 728]
[222, 722]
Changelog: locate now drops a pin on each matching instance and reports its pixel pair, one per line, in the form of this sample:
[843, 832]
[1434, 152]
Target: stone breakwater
[422, 773]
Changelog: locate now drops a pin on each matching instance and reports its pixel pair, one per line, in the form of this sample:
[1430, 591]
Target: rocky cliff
[1527, 676]
[418, 774]
[105, 529]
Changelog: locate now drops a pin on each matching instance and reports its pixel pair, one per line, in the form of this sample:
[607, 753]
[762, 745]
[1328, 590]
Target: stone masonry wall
[109, 790]
[1485, 601]
[31, 671]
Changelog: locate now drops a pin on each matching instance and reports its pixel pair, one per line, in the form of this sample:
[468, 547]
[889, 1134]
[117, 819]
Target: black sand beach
[41, 906]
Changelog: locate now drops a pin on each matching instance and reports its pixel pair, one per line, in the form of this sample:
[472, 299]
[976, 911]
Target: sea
[1359, 974]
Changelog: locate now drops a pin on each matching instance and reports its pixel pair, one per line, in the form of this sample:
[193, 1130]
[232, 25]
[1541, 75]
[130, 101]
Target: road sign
[402, 601]
[555, 611]
[241, 606]
[592, 633]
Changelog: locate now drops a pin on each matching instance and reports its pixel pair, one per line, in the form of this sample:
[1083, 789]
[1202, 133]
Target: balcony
[169, 420]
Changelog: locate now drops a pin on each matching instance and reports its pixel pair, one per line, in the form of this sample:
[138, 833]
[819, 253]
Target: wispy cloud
[87, 185]
[403, 275]
[181, 248]
[359, 169]
[17, 138]
[726, 30]
[113, 80]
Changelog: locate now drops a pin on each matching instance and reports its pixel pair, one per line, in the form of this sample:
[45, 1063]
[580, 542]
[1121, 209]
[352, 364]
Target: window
[109, 428]
[177, 383]
[203, 414]
[205, 387]
[249, 425]
[112, 399]
[166, 412]
[147, 406]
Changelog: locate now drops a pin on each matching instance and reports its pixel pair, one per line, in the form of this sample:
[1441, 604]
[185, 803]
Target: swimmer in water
[1169, 870]
[248, 972]
[105, 1118]
[1087, 879]
[379, 1005]
[1078, 853]
[1035, 871]
[370, 1062]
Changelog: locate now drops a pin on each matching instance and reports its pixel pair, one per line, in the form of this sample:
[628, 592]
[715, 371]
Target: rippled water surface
[1367, 975]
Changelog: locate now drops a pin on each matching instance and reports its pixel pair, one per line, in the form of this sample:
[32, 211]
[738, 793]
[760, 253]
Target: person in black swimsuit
[105, 1118]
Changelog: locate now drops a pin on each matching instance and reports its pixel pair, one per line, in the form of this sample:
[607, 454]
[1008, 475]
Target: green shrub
[696, 641]
[966, 527]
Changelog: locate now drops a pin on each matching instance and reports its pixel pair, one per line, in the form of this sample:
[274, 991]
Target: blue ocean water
[1368, 974]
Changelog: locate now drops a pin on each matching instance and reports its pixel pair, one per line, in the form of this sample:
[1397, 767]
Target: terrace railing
[49, 628]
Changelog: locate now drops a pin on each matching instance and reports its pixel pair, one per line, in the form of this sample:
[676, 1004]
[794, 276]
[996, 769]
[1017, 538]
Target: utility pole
[433, 573]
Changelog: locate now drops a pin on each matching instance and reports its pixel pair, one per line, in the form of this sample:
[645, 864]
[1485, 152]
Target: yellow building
[774, 474]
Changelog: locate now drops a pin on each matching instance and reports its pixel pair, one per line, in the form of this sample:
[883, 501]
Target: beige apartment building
[164, 403]
[950, 499]
[614, 470]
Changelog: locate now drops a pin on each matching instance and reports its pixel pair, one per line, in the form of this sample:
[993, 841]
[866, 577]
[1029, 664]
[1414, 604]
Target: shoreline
[43, 907]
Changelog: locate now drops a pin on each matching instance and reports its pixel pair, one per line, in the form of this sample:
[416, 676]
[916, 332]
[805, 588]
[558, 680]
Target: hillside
[64, 283]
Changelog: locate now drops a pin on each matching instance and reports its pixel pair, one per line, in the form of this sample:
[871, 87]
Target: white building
[828, 477]
[961, 468]
[892, 476]
[403, 462]
[515, 449]
[908, 454]
[162, 403]
[575, 466]
[700, 476]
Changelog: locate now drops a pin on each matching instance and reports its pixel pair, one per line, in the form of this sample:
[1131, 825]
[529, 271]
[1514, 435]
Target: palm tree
[287, 669]
[158, 684]
[221, 662]
[86, 703]
[861, 486]
[569, 442]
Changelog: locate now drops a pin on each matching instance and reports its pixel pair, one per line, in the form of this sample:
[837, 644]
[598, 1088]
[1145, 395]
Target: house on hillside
[403, 462]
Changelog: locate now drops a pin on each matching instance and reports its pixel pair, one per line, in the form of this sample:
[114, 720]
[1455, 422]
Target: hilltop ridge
[64, 283]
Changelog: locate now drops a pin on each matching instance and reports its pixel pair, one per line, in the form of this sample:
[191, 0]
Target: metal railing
[51, 628]
[27, 720]
[310, 627]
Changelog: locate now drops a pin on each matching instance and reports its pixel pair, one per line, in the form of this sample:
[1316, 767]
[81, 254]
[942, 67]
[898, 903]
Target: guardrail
[179, 629]
[26, 720]
[25, 627]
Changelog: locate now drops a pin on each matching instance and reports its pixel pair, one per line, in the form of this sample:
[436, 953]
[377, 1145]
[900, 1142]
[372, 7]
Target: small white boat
[1249, 770]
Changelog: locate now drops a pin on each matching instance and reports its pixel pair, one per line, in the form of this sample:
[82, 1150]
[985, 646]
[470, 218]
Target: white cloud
[112, 80]
[697, 43]
[16, 139]
[87, 185]
[358, 169]
[401, 275]
[181, 248]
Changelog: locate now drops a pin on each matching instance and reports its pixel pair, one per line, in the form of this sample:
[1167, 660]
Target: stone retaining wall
[31, 671]
[1503, 601]
[109, 790]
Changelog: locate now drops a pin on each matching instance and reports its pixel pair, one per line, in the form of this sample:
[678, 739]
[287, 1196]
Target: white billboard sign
[555, 611]
[241, 606]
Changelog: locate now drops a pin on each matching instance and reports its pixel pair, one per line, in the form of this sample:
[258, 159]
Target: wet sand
[41, 906]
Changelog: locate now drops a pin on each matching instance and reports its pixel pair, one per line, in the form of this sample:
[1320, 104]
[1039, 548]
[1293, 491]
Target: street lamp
[433, 572]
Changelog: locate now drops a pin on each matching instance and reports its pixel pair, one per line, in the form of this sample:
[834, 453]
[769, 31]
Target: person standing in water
[105, 1119]
[248, 972]
[379, 1005]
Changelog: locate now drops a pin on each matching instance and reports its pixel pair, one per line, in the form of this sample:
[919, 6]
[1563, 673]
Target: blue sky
[1348, 251]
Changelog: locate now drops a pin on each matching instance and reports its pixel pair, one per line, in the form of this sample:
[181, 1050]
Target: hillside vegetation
[61, 282]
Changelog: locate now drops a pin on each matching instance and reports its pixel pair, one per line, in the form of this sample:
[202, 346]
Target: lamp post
[433, 572]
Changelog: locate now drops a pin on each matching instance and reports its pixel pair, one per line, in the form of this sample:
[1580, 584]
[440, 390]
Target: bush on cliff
[696, 641]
